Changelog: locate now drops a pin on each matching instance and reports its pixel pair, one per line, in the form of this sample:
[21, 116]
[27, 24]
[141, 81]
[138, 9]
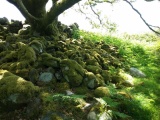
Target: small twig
[102, 1]
[83, 12]
[148, 25]
[95, 12]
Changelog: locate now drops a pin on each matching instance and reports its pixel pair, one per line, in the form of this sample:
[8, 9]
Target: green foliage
[113, 104]
[143, 52]
[76, 34]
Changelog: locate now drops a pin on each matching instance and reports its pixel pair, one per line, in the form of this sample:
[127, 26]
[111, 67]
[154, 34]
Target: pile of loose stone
[40, 75]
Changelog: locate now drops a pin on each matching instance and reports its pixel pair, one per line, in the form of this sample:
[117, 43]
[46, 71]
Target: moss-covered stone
[93, 81]
[72, 72]
[37, 46]
[26, 53]
[11, 38]
[49, 61]
[102, 92]
[117, 79]
[106, 76]
[94, 69]
[8, 56]
[92, 62]
[19, 68]
[15, 89]
[82, 90]
[62, 87]
[33, 75]
[62, 104]
[3, 45]
[58, 65]
[100, 79]
[80, 61]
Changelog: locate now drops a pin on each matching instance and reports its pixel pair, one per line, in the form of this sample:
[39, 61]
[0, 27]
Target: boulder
[72, 72]
[46, 77]
[102, 92]
[48, 60]
[136, 73]
[16, 90]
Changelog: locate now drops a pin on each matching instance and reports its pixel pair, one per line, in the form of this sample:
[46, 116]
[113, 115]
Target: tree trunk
[43, 28]
[41, 21]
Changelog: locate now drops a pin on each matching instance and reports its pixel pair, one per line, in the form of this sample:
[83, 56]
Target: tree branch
[107, 1]
[95, 12]
[19, 4]
[59, 8]
[148, 25]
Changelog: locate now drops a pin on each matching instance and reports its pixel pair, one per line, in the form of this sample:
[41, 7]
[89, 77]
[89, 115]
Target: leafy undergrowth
[142, 52]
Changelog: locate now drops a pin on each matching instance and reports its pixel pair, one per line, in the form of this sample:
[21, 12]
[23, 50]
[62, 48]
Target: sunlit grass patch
[142, 52]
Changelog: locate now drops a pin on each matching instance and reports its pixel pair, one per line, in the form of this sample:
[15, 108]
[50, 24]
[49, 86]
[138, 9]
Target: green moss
[82, 90]
[62, 87]
[93, 81]
[106, 76]
[8, 56]
[38, 44]
[94, 69]
[49, 61]
[80, 61]
[18, 68]
[56, 117]
[92, 62]
[117, 79]
[97, 56]
[19, 65]
[15, 87]
[3, 45]
[100, 80]
[69, 106]
[26, 53]
[72, 72]
[102, 92]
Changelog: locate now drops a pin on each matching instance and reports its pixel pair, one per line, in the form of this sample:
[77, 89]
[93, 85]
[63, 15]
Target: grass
[142, 52]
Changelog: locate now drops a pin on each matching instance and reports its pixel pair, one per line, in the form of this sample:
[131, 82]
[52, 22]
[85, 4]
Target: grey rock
[92, 116]
[136, 73]
[13, 98]
[69, 92]
[105, 116]
[46, 77]
[87, 106]
[91, 84]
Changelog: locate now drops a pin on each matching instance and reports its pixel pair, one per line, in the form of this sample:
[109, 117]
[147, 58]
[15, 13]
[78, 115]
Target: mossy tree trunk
[40, 20]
